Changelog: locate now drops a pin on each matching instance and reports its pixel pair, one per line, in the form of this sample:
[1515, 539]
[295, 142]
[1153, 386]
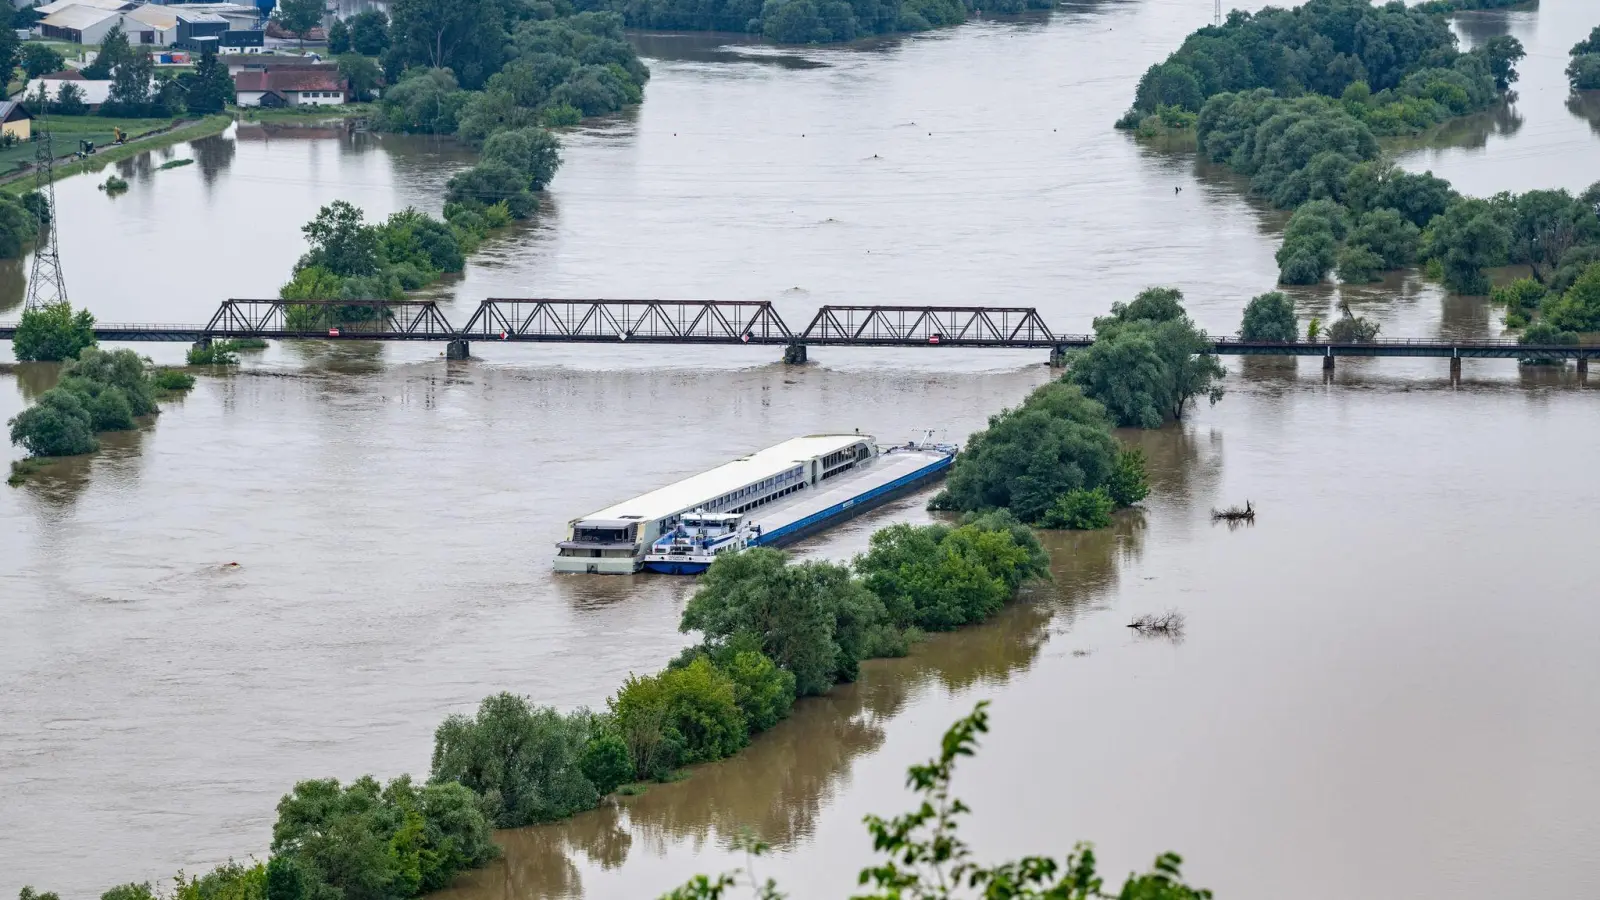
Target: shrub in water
[1081, 510]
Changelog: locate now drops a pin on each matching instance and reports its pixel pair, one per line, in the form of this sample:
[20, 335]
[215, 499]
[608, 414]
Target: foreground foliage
[924, 857]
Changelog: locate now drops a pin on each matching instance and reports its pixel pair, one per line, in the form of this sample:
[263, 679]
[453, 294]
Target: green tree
[362, 74]
[57, 424]
[763, 692]
[523, 760]
[1502, 53]
[132, 83]
[1144, 370]
[1466, 239]
[341, 242]
[53, 332]
[70, 101]
[114, 51]
[468, 37]
[1579, 308]
[1128, 483]
[41, 59]
[130, 891]
[211, 89]
[1080, 511]
[492, 182]
[1389, 235]
[123, 369]
[1311, 242]
[1583, 73]
[1057, 441]
[298, 17]
[1269, 317]
[605, 761]
[369, 32]
[1544, 225]
[338, 38]
[533, 152]
[425, 101]
[285, 879]
[924, 579]
[1359, 265]
[812, 618]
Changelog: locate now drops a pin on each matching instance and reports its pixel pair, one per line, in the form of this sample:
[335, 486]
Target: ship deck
[779, 522]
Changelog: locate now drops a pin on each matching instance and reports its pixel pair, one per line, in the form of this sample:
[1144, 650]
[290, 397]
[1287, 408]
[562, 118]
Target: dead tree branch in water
[1235, 514]
[1167, 624]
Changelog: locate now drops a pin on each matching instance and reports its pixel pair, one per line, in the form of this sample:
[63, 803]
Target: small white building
[152, 25]
[291, 87]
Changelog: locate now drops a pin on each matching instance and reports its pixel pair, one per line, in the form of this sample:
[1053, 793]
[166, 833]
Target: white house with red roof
[291, 87]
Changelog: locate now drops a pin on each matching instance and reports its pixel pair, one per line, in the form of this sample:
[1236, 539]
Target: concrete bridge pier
[203, 344]
[794, 355]
[458, 349]
[1058, 356]
[1327, 362]
[1455, 370]
[1583, 368]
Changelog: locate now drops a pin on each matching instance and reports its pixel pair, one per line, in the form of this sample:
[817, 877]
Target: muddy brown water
[1384, 688]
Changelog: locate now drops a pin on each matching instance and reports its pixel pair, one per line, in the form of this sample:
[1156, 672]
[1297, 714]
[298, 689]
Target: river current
[1384, 685]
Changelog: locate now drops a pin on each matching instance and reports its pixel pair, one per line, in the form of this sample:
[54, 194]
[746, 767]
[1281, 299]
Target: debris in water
[1235, 514]
[1169, 623]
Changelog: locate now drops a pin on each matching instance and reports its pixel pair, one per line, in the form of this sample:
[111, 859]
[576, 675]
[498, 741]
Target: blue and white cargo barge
[770, 498]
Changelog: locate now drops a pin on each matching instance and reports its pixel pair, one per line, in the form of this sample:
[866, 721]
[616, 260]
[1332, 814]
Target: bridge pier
[1058, 356]
[1583, 368]
[1455, 370]
[203, 344]
[1327, 362]
[794, 355]
[458, 349]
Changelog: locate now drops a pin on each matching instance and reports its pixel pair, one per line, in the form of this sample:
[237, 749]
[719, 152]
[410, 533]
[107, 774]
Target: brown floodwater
[1384, 687]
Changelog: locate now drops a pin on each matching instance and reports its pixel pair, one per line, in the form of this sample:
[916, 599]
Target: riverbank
[68, 165]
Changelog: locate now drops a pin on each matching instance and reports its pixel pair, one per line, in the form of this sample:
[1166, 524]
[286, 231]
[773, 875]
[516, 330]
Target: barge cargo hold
[790, 491]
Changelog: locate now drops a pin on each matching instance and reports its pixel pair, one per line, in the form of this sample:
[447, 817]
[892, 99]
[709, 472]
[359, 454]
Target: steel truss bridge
[555, 320]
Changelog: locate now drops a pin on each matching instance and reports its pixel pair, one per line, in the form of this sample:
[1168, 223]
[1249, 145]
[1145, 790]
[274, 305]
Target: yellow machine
[121, 137]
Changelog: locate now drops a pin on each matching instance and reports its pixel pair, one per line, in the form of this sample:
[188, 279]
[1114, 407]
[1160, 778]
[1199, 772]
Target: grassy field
[66, 131]
[66, 139]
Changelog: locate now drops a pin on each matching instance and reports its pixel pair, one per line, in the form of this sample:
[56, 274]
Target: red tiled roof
[64, 75]
[289, 80]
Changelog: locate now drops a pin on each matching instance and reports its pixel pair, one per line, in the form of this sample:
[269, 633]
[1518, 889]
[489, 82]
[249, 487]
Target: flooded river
[1383, 689]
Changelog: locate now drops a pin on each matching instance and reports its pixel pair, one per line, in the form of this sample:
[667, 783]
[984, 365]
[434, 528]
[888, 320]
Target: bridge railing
[660, 321]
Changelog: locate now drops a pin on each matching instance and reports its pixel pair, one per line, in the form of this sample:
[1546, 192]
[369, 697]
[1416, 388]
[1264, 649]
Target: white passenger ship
[780, 494]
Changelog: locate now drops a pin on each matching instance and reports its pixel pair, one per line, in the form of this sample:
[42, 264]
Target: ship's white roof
[697, 490]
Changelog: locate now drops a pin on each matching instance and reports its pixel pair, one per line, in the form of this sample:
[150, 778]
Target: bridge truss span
[899, 326]
[387, 320]
[648, 321]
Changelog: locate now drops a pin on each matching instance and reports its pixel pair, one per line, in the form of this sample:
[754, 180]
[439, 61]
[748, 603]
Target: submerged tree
[1269, 317]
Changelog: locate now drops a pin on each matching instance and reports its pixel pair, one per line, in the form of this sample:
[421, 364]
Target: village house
[291, 87]
[15, 121]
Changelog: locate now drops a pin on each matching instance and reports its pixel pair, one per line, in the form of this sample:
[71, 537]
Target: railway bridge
[732, 323]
